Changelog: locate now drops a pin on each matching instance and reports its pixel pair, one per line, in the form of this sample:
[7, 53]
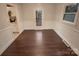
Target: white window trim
[76, 17]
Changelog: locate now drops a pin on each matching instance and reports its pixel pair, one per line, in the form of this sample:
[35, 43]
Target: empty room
[39, 29]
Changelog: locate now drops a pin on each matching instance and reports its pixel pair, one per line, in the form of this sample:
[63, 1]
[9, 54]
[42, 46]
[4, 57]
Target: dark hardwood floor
[38, 43]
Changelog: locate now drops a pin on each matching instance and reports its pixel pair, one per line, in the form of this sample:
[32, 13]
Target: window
[38, 17]
[70, 13]
[69, 17]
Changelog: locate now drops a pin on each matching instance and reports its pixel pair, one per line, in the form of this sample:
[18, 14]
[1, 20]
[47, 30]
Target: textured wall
[29, 21]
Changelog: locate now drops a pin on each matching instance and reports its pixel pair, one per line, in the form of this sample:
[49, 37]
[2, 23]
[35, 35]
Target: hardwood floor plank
[38, 43]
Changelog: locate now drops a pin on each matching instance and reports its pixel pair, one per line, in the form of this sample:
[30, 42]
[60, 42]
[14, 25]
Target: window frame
[75, 19]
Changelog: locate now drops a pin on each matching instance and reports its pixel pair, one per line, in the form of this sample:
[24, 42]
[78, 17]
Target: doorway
[11, 10]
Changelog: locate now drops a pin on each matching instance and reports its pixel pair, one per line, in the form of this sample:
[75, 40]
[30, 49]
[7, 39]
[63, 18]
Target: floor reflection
[39, 37]
[39, 43]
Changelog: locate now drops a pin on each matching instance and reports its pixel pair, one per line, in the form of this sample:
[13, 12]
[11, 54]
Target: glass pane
[38, 17]
[71, 8]
[69, 17]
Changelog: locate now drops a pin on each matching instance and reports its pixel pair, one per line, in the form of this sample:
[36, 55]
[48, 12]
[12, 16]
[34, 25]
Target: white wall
[29, 21]
[19, 17]
[5, 28]
[68, 32]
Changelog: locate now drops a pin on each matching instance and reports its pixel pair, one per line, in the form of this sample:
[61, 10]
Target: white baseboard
[67, 43]
[37, 29]
[9, 43]
[75, 50]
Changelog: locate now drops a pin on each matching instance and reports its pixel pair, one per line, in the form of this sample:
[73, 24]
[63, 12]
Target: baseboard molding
[67, 43]
[9, 43]
[74, 49]
[38, 29]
